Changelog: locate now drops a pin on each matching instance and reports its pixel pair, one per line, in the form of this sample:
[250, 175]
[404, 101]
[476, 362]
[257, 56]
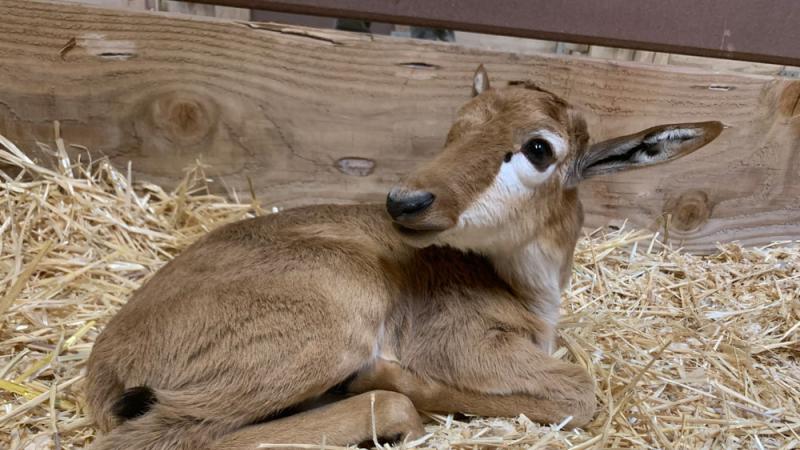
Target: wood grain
[314, 116]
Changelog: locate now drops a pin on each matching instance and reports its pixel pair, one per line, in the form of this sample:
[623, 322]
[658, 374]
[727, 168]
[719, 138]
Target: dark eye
[539, 153]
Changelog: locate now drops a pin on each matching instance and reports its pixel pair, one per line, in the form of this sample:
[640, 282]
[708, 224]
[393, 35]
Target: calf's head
[511, 164]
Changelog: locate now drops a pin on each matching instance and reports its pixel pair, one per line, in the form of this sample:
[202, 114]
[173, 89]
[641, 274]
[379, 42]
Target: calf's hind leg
[346, 422]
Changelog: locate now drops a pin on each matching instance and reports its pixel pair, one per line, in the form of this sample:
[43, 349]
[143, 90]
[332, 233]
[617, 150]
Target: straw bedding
[688, 352]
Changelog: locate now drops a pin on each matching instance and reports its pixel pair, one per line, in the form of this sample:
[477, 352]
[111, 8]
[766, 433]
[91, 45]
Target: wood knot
[354, 166]
[689, 211]
[184, 118]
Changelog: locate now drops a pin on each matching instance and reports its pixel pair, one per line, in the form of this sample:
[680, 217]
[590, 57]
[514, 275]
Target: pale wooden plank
[229, 12]
[619, 54]
[281, 105]
[224, 12]
[714, 64]
[189, 8]
[504, 43]
[131, 4]
[651, 57]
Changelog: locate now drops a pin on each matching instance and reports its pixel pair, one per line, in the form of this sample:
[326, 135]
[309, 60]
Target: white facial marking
[520, 170]
[505, 203]
[514, 182]
[556, 141]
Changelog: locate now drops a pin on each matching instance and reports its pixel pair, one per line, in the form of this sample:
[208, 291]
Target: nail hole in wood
[715, 87]
[355, 166]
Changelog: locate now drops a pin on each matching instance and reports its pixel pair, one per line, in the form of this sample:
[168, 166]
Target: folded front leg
[515, 378]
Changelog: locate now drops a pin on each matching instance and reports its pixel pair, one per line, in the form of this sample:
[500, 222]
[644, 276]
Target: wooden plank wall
[290, 109]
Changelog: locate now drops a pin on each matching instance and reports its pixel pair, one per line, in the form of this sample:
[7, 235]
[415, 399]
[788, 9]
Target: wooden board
[284, 106]
[226, 12]
[736, 29]
[132, 4]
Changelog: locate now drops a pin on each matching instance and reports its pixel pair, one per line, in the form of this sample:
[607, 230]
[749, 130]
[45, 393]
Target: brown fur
[264, 316]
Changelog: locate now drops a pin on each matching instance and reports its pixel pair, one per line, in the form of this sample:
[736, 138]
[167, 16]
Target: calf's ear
[652, 146]
[480, 81]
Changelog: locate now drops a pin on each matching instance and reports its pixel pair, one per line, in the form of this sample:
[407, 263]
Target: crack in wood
[292, 32]
[419, 65]
[116, 56]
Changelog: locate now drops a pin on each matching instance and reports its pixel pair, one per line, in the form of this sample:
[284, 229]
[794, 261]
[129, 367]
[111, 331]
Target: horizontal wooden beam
[735, 29]
[320, 116]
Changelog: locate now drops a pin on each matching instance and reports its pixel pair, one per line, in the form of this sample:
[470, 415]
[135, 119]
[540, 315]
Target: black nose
[400, 203]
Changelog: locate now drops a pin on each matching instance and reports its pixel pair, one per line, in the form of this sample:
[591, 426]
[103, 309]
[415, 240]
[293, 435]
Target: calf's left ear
[480, 81]
[652, 146]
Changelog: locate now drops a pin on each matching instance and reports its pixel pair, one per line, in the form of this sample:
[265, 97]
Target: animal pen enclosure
[104, 110]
